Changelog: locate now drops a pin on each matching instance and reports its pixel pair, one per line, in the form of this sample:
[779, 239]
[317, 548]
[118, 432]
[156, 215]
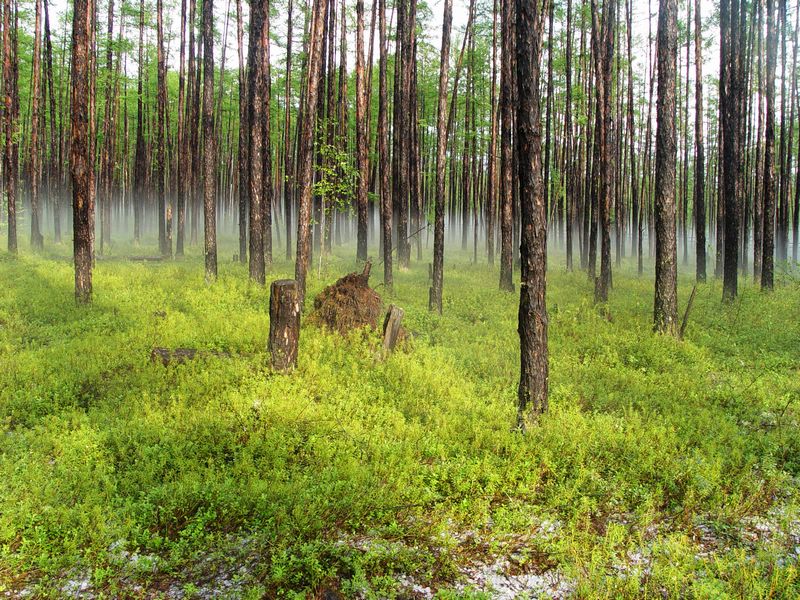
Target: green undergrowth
[356, 469]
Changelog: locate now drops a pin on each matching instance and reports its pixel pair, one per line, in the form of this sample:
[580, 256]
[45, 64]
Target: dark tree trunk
[532, 391]
[666, 296]
[164, 212]
[731, 76]
[768, 248]
[383, 152]
[37, 240]
[209, 145]
[435, 298]
[699, 149]
[256, 108]
[82, 158]
[140, 166]
[604, 56]
[266, 156]
[11, 114]
[54, 168]
[548, 111]
[492, 174]
[782, 202]
[307, 127]
[635, 199]
[362, 163]
[182, 162]
[288, 187]
[568, 149]
[506, 149]
[244, 132]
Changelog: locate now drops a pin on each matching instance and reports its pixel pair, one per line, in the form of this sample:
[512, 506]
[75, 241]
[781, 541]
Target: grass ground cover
[664, 466]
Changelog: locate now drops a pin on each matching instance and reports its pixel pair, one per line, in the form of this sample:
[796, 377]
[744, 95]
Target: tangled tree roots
[348, 304]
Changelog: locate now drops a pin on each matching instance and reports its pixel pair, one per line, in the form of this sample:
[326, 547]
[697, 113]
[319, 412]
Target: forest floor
[664, 468]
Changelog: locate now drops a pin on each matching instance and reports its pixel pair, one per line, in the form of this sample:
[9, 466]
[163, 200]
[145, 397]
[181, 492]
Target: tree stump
[284, 323]
[391, 327]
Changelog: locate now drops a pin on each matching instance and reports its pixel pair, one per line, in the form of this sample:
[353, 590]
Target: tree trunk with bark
[383, 151]
[506, 149]
[699, 149]
[305, 154]
[768, 248]
[666, 290]
[209, 145]
[362, 163]
[81, 156]
[435, 297]
[532, 391]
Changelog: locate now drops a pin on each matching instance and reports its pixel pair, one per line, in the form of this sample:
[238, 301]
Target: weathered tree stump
[392, 327]
[284, 323]
[167, 356]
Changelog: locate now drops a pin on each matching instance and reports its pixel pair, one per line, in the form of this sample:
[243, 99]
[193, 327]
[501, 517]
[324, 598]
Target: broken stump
[284, 323]
[392, 327]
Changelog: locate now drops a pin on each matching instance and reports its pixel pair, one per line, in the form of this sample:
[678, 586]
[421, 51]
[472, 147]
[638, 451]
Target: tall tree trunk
[383, 151]
[183, 163]
[685, 178]
[139, 167]
[532, 328]
[256, 89]
[209, 152]
[82, 158]
[666, 293]
[266, 157]
[492, 175]
[307, 128]
[37, 240]
[244, 132]
[758, 196]
[435, 297]
[362, 164]
[10, 103]
[548, 111]
[568, 146]
[731, 23]
[604, 55]
[288, 187]
[635, 199]
[164, 212]
[699, 149]
[506, 149]
[767, 260]
[54, 168]
[782, 203]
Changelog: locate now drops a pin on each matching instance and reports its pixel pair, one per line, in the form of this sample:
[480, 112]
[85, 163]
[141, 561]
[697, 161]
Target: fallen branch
[179, 356]
[146, 258]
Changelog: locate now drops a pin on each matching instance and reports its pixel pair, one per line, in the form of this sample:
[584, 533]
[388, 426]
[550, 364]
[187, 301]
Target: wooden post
[284, 323]
[391, 327]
